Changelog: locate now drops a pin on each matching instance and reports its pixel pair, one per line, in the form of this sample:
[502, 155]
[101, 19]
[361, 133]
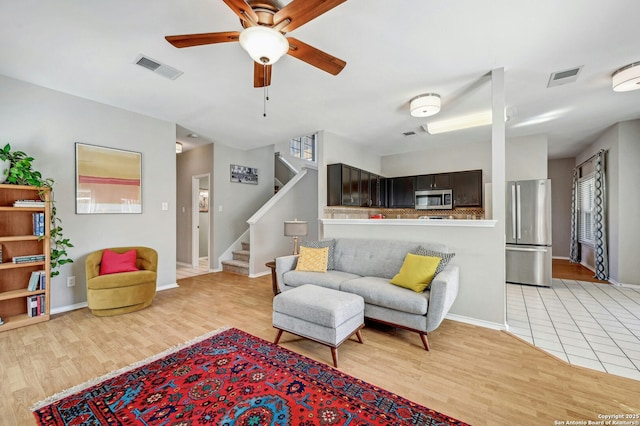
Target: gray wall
[197, 161]
[233, 203]
[622, 141]
[45, 124]
[561, 175]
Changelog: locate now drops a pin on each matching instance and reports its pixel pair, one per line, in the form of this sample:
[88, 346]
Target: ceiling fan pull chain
[266, 89]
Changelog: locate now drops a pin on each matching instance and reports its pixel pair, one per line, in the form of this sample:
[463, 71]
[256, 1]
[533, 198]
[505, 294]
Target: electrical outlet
[71, 281]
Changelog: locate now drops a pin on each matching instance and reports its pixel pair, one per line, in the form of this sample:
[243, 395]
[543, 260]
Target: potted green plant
[20, 172]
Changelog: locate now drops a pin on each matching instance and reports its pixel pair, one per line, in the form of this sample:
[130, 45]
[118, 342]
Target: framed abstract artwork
[108, 180]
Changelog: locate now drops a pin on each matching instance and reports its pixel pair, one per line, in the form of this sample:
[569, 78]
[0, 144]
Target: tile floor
[587, 324]
[184, 271]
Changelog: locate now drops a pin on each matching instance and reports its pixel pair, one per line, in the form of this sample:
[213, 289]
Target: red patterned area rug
[230, 377]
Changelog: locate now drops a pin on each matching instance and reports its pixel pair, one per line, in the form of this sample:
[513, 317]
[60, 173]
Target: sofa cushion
[379, 291]
[416, 272]
[312, 259]
[113, 263]
[320, 244]
[446, 257]
[329, 279]
[374, 258]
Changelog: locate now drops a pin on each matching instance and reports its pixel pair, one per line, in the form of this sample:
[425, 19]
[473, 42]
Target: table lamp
[295, 229]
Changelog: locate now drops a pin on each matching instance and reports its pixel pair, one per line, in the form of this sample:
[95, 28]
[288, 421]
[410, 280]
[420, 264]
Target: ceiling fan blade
[243, 10]
[299, 12]
[189, 40]
[258, 75]
[315, 57]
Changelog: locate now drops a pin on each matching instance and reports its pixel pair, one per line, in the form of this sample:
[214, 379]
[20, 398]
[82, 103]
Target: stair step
[245, 246]
[236, 266]
[242, 255]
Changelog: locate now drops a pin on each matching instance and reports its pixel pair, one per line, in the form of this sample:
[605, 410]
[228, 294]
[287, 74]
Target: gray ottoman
[320, 314]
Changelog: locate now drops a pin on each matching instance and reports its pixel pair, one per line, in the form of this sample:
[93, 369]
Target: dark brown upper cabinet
[434, 181]
[467, 188]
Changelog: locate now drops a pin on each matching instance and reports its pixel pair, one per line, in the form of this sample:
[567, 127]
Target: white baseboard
[167, 287]
[475, 321]
[260, 274]
[561, 257]
[68, 308]
[184, 265]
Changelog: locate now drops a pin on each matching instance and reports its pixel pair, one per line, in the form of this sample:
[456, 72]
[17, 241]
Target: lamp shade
[425, 105]
[295, 228]
[627, 78]
[265, 45]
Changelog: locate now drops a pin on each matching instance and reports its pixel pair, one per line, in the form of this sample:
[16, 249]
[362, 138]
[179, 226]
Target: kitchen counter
[468, 223]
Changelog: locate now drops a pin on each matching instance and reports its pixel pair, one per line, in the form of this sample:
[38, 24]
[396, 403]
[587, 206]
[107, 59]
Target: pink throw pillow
[113, 262]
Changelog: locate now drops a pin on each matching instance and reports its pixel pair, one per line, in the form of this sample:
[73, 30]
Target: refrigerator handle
[513, 210]
[519, 212]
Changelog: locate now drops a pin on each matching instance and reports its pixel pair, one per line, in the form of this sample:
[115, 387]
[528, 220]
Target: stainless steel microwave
[436, 199]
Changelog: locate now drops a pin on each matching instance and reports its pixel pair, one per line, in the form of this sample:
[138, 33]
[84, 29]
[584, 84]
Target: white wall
[297, 163]
[233, 203]
[46, 124]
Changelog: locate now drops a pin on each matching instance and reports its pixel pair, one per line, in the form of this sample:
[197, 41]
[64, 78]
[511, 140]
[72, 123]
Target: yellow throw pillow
[313, 259]
[416, 272]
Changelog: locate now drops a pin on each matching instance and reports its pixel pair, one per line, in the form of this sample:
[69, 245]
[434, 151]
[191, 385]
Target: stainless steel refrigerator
[528, 228]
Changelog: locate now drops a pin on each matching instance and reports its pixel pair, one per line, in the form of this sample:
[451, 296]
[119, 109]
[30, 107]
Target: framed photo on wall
[108, 180]
[244, 174]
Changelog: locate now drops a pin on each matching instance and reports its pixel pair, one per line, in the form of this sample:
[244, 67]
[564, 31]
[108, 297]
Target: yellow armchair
[122, 292]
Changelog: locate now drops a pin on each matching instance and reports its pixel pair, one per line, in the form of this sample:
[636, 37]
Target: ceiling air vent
[157, 67]
[563, 77]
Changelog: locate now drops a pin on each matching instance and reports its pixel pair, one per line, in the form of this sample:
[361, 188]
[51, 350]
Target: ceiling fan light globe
[265, 45]
[425, 105]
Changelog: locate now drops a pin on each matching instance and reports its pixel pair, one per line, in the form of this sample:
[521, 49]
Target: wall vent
[409, 133]
[559, 78]
[158, 67]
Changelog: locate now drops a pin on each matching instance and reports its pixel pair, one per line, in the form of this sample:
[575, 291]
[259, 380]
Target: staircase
[240, 262]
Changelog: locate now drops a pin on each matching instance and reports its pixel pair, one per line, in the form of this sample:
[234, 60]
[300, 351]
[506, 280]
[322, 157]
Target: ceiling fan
[265, 23]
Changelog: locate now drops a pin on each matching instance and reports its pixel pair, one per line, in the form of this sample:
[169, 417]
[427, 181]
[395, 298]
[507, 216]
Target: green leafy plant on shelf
[20, 172]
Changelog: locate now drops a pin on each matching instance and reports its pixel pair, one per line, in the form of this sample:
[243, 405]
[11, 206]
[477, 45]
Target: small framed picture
[244, 174]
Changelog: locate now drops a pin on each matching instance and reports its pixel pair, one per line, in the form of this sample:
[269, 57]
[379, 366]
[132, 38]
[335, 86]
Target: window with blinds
[303, 147]
[586, 188]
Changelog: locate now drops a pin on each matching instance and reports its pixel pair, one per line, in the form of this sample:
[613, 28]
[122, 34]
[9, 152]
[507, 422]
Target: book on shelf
[38, 224]
[29, 258]
[32, 306]
[36, 305]
[37, 281]
[28, 203]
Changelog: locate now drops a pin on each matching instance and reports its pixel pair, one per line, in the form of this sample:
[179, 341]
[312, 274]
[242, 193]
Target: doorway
[200, 222]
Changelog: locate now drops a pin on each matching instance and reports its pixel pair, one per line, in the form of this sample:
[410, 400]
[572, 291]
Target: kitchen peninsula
[481, 294]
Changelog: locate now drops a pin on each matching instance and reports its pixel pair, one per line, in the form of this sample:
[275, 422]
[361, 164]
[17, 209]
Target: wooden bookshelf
[17, 239]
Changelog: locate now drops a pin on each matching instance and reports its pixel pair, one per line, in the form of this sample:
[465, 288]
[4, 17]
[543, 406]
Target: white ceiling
[394, 51]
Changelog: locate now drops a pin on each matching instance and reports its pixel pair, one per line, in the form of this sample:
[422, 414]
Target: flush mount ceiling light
[627, 78]
[425, 105]
[178, 147]
[459, 123]
[265, 45]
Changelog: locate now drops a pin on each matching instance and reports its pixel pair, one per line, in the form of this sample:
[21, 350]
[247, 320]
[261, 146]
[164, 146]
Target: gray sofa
[365, 267]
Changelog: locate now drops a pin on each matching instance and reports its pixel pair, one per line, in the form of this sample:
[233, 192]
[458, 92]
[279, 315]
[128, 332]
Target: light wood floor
[481, 376]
